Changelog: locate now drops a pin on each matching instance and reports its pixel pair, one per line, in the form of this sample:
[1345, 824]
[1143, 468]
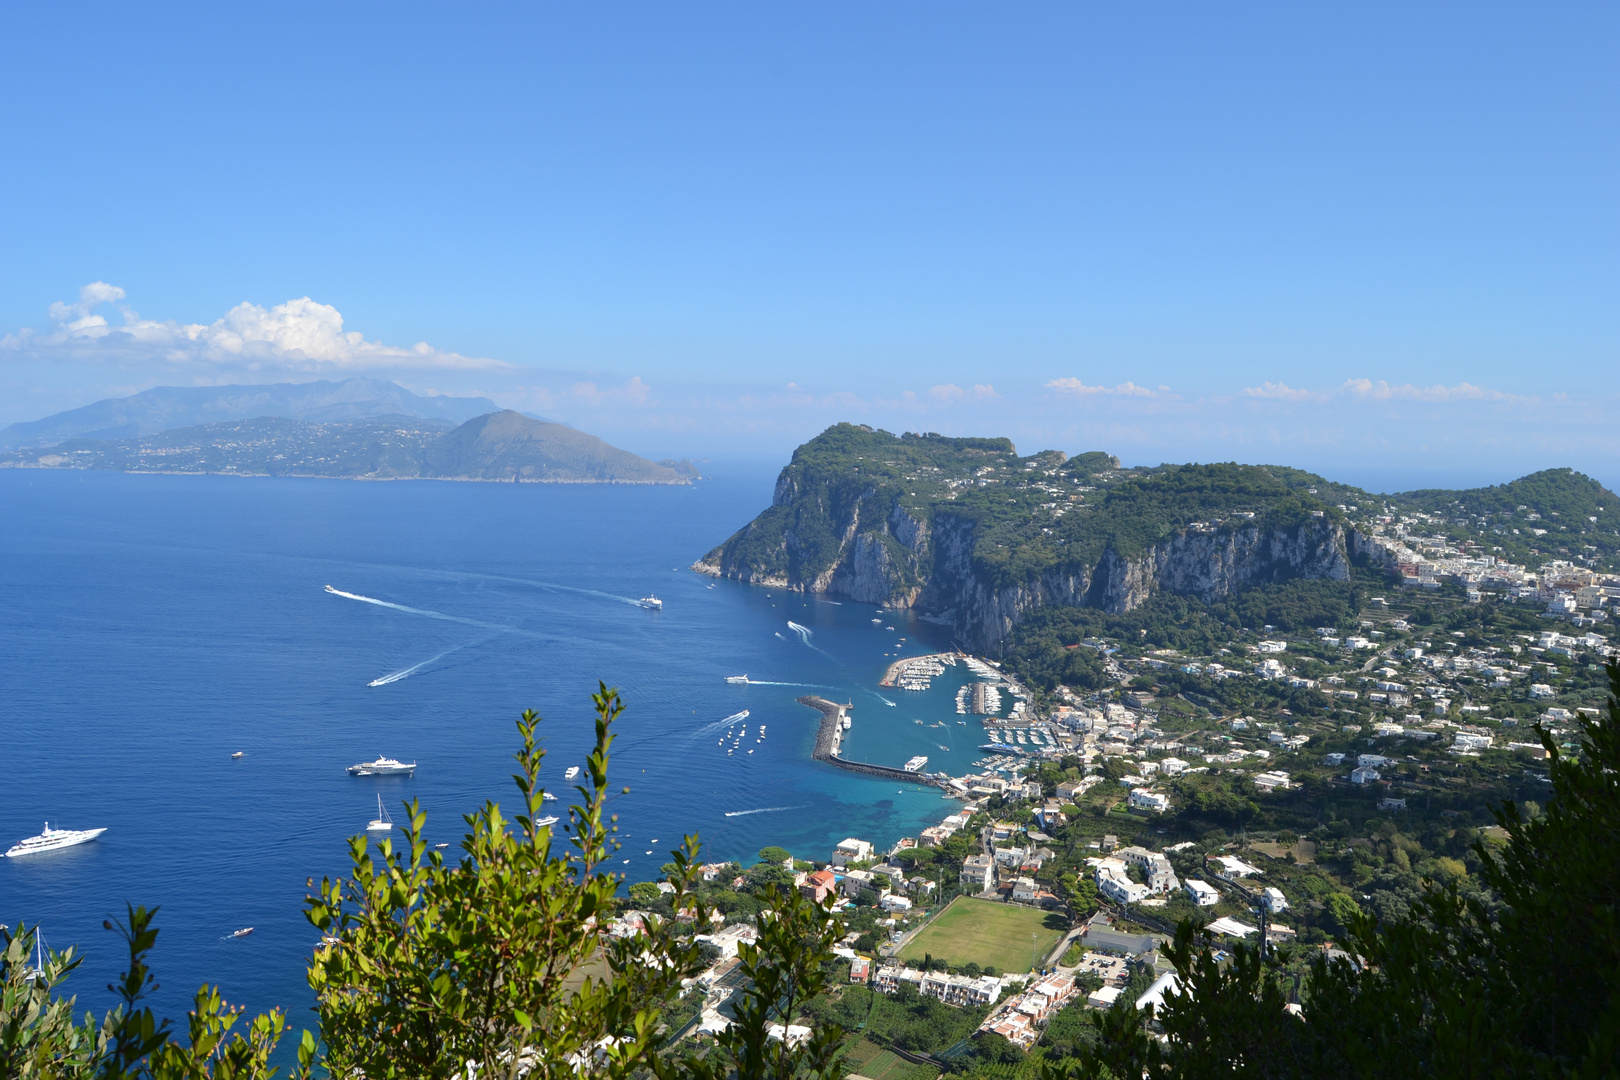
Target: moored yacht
[52, 840]
[383, 766]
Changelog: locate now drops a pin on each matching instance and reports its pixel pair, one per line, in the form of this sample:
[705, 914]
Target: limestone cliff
[974, 537]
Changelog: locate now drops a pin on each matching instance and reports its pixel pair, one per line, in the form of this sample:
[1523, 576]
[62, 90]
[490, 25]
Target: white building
[1202, 893]
[854, 850]
[1149, 800]
[1273, 900]
[1365, 775]
[978, 873]
[1236, 867]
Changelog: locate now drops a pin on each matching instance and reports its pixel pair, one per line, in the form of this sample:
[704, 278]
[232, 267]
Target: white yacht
[383, 766]
[545, 822]
[737, 679]
[571, 772]
[651, 603]
[53, 840]
[382, 822]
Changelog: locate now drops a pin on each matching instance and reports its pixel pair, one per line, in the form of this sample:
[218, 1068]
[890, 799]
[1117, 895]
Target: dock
[830, 738]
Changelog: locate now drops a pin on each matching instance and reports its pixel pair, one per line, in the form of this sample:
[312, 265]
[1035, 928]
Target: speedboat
[383, 766]
[236, 755]
[651, 603]
[244, 932]
[53, 840]
[545, 822]
[382, 822]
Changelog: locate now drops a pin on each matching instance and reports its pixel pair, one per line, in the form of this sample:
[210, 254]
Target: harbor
[834, 722]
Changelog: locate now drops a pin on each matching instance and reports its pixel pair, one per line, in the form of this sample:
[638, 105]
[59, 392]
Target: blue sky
[1374, 240]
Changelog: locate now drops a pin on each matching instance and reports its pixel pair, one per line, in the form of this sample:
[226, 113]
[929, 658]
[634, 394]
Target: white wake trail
[424, 612]
[405, 673]
[761, 810]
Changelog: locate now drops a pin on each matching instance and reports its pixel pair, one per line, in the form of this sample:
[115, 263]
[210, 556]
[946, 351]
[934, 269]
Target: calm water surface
[150, 626]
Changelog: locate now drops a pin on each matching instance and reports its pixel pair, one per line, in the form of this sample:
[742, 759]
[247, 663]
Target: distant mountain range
[165, 408]
[342, 430]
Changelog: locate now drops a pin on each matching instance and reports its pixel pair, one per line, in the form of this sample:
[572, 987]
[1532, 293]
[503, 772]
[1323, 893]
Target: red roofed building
[819, 885]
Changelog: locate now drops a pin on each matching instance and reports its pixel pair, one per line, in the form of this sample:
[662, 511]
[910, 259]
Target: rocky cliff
[974, 537]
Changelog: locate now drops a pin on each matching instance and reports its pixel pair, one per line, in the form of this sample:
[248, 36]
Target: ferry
[916, 763]
[651, 603]
[739, 680]
[52, 840]
[383, 766]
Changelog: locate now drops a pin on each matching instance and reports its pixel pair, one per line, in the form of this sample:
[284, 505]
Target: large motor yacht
[383, 766]
[53, 840]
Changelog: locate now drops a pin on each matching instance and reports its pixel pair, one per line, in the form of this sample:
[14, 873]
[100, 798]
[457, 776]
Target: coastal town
[1098, 818]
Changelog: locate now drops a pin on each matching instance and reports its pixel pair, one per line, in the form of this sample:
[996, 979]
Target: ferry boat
[383, 766]
[52, 840]
[916, 763]
[737, 679]
[651, 603]
[382, 822]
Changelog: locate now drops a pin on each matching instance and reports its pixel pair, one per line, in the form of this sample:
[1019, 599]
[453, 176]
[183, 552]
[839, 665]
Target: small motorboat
[244, 932]
[236, 755]
[571, 772]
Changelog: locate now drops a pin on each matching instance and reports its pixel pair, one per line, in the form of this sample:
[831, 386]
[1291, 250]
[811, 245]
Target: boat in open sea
[737, 679]
[52, 840]
[382, 822]
[570, 772]
[244, 932]
[651, 603]
[383, 766]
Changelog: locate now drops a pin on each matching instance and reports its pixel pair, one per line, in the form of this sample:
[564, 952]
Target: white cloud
[1383, 391]
[300, 335]
[1380, 391]
[634, 392]
[1071, 385]
[1277, 391]
[947, 392]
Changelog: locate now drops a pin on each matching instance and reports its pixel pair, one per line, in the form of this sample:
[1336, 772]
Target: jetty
[830, 738]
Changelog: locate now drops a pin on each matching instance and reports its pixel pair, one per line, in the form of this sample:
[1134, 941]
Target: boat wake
[707, 729]
[805, 634]
[761, 810]
[432, 614]
[405, 673]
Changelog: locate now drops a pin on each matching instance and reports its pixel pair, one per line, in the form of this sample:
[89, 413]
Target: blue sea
[150, 626]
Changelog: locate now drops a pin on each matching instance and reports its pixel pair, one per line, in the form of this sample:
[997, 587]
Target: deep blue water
[152, 625]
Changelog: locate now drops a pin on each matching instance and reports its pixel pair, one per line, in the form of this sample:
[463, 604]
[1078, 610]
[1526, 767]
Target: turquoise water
[152, 625]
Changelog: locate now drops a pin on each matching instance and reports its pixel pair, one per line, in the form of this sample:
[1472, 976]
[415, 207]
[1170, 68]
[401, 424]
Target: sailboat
[38, 970]
[382, 822]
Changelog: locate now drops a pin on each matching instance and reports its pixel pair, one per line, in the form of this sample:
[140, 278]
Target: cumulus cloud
[1071, 385]
[300, 335]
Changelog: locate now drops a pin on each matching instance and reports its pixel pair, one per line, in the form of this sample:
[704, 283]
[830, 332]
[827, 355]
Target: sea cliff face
[829, 530]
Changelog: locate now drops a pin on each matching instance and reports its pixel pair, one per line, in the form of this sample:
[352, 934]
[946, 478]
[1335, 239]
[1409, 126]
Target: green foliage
[777, 855]
[498, 965]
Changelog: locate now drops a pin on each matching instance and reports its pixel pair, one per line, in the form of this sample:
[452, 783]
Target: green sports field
[984, 932]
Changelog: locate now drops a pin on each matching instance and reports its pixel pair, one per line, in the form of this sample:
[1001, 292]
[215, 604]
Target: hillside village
[1265, 789]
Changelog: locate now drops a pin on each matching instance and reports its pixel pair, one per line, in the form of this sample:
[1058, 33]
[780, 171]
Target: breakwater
[831, 734]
